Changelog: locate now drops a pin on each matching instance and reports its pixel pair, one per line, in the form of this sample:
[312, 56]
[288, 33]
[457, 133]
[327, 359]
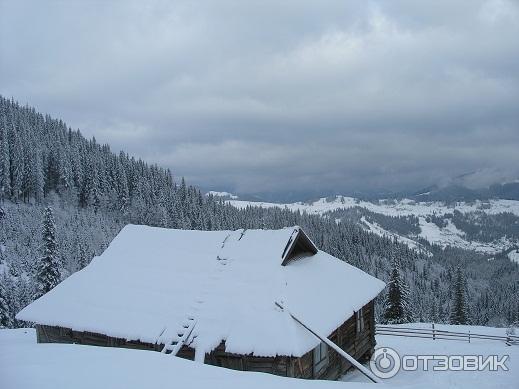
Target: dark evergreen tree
[5, 312]
[82, 259]
[48, 270]
[38, 183]
[434, 312]
[397, 307]
[5, 172]
[459, 311]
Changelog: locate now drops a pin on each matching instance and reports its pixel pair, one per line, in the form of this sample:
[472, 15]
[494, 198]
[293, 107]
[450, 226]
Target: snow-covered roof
[150, 281]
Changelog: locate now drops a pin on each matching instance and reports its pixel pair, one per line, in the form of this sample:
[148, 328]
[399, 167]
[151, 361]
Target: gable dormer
[299, 245]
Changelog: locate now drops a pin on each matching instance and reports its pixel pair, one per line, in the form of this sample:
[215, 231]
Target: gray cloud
[269, 97]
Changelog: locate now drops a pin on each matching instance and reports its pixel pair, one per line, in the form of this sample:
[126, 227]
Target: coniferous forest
[63, 198]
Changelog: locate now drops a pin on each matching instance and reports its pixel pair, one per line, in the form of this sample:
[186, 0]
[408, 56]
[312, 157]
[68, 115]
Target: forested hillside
[95, 192]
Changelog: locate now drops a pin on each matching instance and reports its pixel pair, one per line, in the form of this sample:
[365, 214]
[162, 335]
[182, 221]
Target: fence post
[469, 336]
[433, 332]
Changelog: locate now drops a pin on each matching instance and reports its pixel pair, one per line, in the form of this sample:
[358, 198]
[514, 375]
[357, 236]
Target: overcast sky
[327, 96]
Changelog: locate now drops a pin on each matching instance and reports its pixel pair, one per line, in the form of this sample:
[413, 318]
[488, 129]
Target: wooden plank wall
[51, 334]
[278, 365]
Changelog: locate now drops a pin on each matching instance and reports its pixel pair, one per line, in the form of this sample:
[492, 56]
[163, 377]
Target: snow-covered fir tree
[5, 314]
[459, 309]
[82, 259]
[48, 270]
[397, 308]
[5, 184]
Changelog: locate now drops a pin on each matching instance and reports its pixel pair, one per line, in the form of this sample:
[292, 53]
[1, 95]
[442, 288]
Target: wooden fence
[437, 334]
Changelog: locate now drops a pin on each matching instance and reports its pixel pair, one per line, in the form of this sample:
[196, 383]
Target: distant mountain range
[488, 226]
[457, 189]
[456, 192]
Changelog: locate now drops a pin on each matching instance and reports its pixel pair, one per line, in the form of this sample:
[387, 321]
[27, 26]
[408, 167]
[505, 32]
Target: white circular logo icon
[385, 362]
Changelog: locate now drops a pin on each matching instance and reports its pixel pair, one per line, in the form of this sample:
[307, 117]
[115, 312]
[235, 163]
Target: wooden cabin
[211, 297]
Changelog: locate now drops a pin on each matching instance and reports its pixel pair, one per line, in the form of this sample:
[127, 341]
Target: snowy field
[27, 365]
[451, 379]
[449, 235]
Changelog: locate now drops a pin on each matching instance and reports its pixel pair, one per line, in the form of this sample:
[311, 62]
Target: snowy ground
[25, 364]
[451, 379]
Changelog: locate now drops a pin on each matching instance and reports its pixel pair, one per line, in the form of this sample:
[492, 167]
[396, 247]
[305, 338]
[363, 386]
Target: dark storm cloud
[274, 97]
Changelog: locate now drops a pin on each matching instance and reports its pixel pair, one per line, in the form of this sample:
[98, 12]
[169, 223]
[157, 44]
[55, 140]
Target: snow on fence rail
[434, 333]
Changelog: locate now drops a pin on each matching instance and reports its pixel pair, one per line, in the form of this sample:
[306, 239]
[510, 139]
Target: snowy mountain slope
[376, 229]
[450, 235]
[445, 233]
[402, 207]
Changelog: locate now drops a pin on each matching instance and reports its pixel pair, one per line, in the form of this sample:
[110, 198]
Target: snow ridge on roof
[149, 280]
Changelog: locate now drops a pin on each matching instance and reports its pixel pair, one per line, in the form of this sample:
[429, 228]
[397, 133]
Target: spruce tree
[459, 311]
[17, 167]
[5, 316]
[5, 180]
[82, 259]
[48, 272]
[434, 312]
[397, 308]
[38, 178]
